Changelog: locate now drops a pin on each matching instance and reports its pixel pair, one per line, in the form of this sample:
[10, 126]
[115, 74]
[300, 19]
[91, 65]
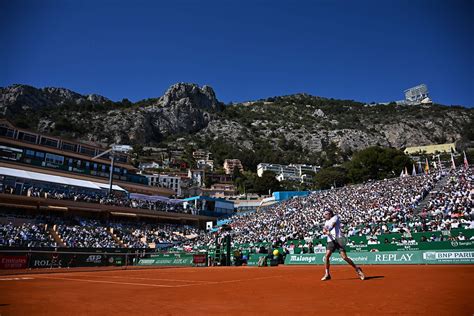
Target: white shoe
[360, 274]
[326, 277]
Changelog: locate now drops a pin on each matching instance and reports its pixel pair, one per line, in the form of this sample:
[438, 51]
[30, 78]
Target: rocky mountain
[183, 109]
[296, 128]
[18, 98]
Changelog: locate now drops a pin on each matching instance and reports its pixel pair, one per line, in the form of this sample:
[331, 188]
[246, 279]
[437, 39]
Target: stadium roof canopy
[18, 173]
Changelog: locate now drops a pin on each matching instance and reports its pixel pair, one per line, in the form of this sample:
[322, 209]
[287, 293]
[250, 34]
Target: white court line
[253, 279]
[15, 279]
[137, 278]
[91, 274]
[111, 282]
[199, 282]
[69, 272]
[156, 285]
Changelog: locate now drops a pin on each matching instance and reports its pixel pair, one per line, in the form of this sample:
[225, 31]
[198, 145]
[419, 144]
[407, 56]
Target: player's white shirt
[335, 223]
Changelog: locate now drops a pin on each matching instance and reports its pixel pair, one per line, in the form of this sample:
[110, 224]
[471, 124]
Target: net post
[227, 245]
[28, 258]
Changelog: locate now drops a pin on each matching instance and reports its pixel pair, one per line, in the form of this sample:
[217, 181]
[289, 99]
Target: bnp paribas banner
[448, 257]
[394, 257]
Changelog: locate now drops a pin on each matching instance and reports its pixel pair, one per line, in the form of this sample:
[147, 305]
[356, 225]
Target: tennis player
[335, 241]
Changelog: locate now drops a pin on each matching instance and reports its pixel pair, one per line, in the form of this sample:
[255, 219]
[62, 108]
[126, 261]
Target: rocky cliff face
[183, 109]
[17, 98]
[310, 124]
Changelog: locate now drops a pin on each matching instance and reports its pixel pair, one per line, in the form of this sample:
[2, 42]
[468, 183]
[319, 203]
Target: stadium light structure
[113, 151]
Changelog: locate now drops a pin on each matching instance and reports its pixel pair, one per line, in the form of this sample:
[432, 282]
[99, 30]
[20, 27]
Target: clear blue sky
[246, 50]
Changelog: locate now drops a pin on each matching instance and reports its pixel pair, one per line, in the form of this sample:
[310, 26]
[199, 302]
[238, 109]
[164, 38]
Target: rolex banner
[394, 257]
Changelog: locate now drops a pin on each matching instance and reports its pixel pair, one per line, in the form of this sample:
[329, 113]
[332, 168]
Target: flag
[401, 174]
[466, 163]
[453, 165]
[413, 172]
[406, 172]
[427, 167]
[420, 169]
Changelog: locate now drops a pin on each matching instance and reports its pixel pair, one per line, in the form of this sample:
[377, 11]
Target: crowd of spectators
[452, 206]
[367, 209]
[87, 234]
[141, 235]
[25, 235]
[371, 209]
[89, 196]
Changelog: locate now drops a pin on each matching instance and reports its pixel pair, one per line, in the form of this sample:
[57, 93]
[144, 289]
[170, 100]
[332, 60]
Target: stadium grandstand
[407, 210]
[30, 151]
[393, 211]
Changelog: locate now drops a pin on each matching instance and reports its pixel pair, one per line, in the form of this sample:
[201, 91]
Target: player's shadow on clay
[367, 278]
[374, 277]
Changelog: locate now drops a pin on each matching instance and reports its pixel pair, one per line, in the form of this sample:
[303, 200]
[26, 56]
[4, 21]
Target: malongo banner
[394, 257]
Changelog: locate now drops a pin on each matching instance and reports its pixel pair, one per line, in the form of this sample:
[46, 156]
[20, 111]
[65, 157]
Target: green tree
[377, 163]
[137, 151]
[188, 157]
[266, 183]
[63, 124]
[329, 177]
[208, 181]
[246, 182]
[236, 174]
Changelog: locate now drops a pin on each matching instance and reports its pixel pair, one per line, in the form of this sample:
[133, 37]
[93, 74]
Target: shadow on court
[374, 277]
[367, 278]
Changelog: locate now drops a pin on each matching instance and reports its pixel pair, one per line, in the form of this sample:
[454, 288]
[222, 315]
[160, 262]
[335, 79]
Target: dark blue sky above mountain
[246, 50]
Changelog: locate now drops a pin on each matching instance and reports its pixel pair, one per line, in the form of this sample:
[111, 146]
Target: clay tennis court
[283, 290]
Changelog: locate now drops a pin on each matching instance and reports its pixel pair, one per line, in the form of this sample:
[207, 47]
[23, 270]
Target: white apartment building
[205, 164]
[292, 172]
[304, 169]
[275, 168]
[149, 165]
[166, 181]
[196, 176]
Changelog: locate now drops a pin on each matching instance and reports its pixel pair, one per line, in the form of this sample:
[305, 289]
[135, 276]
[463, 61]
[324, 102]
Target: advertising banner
[253, 259]
[71, 260]
[173, 259]
[439, 245]
[389, 257]
[200, 259]
[13, 262]
[448, 257]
